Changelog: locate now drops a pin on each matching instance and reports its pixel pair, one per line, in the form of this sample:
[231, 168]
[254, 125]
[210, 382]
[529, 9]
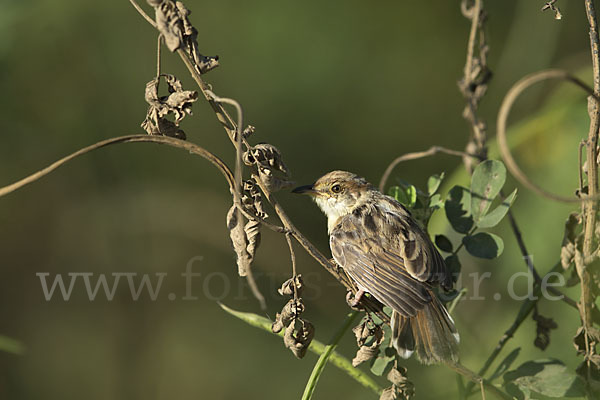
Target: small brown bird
[382, 248]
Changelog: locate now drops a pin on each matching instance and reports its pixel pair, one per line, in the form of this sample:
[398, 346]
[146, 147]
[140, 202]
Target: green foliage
[443, 243]
[483, 245]
[545, 378]
[422, 205]
[486, 182]
[11, 345]
[492, 218]
[405, 194]
[458, 209]
[506, 363]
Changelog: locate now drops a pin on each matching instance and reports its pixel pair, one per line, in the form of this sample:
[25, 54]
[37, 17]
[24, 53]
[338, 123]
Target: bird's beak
[306, 189]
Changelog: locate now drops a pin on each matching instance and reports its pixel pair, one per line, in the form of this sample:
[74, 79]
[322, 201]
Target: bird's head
[338, 193]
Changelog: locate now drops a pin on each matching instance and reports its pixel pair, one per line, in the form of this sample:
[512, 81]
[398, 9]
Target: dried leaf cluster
[298, 331]
[401, 387]
[369, 337]
[178, 103]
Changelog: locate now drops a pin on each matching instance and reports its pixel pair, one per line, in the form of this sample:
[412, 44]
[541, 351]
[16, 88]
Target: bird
[382, 248]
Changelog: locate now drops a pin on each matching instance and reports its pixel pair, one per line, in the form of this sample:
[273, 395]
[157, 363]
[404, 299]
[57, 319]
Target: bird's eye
[336, 188]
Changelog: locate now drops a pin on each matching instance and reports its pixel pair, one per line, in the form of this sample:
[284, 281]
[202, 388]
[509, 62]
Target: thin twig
[524, 312]
[173, 142]
[238, 182]
[529, 261]
[419, 154]
[158, 55]
[143, 13]
[505, 108]
[293, 257]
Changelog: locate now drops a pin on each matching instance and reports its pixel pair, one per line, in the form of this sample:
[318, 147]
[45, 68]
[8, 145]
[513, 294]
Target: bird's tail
[431, 333]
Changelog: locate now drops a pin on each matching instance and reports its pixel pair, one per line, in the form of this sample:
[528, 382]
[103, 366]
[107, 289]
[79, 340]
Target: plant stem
[524, 312]
[315, 346]
[322, 361]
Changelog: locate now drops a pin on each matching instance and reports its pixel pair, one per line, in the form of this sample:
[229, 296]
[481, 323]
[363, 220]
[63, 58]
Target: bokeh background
[335, 86]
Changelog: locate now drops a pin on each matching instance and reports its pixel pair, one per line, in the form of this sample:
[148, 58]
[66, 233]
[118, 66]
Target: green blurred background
[334, 85]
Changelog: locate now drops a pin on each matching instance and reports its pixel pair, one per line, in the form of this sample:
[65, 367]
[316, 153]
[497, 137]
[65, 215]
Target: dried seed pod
[287, 288]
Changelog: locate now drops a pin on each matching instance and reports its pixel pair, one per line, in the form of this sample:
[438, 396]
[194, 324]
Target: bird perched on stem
[387, 254]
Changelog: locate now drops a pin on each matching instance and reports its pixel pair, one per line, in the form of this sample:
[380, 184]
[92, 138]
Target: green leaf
[486, 182]
[433, 183]
[11, 345]
[495, 216]
[458, 209]
[405, 194]
[443, 243]
[546, 377]
[484, 245]
[453, 266]
[506, 363]
[382, 364]
[435, 201]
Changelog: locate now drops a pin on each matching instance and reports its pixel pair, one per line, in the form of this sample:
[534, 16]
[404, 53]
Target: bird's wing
[388, 257]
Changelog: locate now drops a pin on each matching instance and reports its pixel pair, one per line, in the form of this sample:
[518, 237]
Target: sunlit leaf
[546, 377]
[495, 216]
[406, 195]
[433, 183]
[486, 182]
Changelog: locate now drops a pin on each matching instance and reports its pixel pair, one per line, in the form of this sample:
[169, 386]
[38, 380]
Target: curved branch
[190, 147]
[420, 154]
[505, 108]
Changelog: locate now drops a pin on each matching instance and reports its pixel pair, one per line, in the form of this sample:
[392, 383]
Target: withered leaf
[287, 288]
[239, 240]
[292, 309]
[364, 353]
[368, 337]
[269, 165]
[389, 394]
[252, 230]
[173, 23]
[178, 102]
[543, 327]
[170, 23]
[298, 336]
